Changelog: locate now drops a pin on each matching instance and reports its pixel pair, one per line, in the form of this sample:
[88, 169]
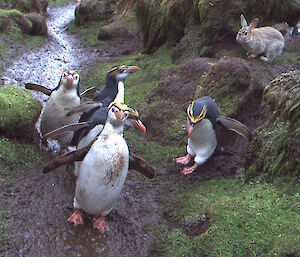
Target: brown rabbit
[265, 41]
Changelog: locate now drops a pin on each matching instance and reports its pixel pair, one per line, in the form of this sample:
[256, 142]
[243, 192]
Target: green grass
[4, 226]
[16, 155]
[89, 32]
[58, 3]
[256, 219]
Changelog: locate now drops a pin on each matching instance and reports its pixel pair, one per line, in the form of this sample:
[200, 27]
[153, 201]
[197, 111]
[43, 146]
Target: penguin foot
[184, 159]
[189, 170]
[100, 224]
[76, 218]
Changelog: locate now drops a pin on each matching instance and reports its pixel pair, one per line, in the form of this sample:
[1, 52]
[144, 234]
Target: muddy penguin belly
[101, 180]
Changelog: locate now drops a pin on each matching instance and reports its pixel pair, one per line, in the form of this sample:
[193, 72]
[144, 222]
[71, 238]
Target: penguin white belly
[102, 175]
[55, 114]
[202, 142]
[85, 141]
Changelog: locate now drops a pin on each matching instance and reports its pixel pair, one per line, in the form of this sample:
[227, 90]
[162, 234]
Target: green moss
[4, 226]
[18, 109]
[16, 155]
[57, 3]
[256, 219]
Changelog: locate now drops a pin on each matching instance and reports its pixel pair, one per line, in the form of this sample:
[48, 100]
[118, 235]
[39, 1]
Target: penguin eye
[76, 77]
[112, 109]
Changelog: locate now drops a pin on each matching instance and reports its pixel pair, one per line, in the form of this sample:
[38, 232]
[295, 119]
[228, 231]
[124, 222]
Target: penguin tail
[235, 126]
[39, 88]
[67, 158]
[66, 128]
[85, 107]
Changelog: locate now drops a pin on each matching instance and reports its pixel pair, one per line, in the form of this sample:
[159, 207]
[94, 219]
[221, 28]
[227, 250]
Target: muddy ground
[41, 204]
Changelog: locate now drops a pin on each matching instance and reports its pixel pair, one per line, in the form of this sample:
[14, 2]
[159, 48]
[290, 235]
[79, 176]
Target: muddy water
[61, 50]
[41, 203]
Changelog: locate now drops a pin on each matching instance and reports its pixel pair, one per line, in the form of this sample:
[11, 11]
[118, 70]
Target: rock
[110, 32]
[38, 24]
[276, 144]
[227, 81]
[161, 21]
[93, 10]
[10, 19]
[19, 111]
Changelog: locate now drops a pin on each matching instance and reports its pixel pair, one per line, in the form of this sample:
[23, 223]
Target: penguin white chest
[55, 113]
[102, 175]
[202, 142]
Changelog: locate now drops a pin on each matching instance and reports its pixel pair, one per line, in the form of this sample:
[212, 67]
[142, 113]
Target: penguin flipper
[68, 158]
[140, 165]
[89, 92]
[85, 107]
[235, 126]
[39, 88]
[66, 128]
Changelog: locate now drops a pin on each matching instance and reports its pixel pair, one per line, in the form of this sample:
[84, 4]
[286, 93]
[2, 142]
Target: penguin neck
[110, 129]
[120, 95]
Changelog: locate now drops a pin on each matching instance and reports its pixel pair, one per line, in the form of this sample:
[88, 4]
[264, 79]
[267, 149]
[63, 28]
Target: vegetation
[57, 3]
[256, 219]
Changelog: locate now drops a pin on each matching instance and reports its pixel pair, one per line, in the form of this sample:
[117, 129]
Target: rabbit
[265, 41]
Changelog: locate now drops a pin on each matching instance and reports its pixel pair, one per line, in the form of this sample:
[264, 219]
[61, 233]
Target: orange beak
[69, 80]
[131, 69]
[138, 125]
[190, 131]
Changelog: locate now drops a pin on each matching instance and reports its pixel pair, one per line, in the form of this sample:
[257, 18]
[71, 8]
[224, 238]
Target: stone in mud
[109, 32]
[93, 10]
[227, 82]
[275, 147]
[38, 24]
[19, 111]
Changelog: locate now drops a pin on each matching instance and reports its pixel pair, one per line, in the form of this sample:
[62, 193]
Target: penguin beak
[190, 130]
[69, 80]
[131, 69]
[138, 125]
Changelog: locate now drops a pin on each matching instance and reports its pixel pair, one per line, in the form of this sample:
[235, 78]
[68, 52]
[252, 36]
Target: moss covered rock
[14, 19]
[94, 10]
[276, 144]
[160, 21]
[19, 111]
[227, 81]
[25, 5]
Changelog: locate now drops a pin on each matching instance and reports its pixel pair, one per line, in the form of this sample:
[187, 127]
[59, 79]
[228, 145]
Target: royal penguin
[204, 124]
[62, 99]
[104, 169]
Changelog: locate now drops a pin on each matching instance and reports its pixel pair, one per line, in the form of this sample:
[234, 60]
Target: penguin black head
[70, 80]
[196, 112]
[120, 73]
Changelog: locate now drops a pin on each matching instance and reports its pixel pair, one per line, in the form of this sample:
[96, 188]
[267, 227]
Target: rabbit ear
[243, 21]
[253, 23]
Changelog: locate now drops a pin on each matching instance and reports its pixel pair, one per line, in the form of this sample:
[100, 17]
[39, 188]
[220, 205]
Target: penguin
[103, 170]
[62, 99]
[204, 125]
[112, 91]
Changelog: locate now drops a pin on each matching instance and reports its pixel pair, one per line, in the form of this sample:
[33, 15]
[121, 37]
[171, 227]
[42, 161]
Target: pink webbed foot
[189, 170]
[100, 224]
[184, 159]
[76, 218]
